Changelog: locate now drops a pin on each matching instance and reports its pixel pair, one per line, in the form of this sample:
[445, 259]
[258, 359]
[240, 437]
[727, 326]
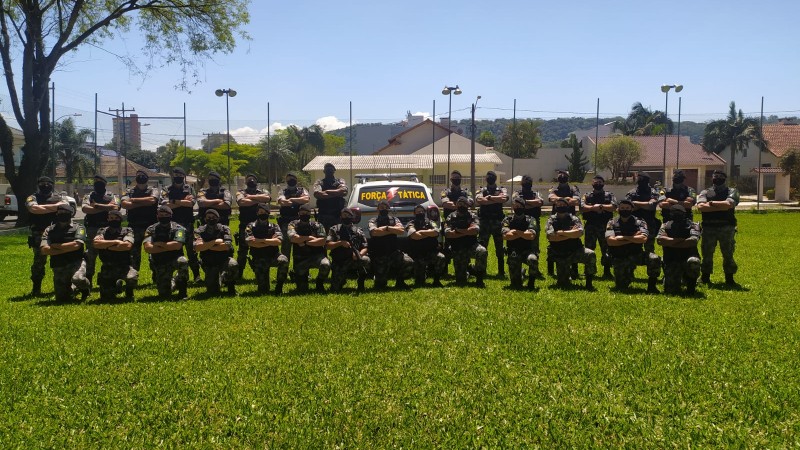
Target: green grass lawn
[449, 368]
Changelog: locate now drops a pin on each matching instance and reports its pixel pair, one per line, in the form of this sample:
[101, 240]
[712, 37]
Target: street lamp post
[228, 93]
[665, 89]
[449, 91]
[472, 147]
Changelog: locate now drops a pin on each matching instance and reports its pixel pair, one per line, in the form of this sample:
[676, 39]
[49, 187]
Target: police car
[403, 191]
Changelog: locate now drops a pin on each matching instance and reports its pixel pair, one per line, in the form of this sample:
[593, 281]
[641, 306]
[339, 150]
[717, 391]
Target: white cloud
[425, 115]
[330, 123]
[246, 135]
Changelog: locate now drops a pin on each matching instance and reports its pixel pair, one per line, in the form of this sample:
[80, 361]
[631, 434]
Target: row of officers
[626, 240]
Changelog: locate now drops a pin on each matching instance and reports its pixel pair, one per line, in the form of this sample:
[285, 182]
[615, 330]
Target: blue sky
[309, 59]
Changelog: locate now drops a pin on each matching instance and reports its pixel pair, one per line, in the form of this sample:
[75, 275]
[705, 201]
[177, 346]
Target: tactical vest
[41, 221]
[530, 195]
[183, 215]
[453, 195]
[347, 233]
[247, 214]
[568, 246]
[422, 247]
[306, 229]
[112, 257]
[330, 206]
[598, 198]
[207, 233]
[224, 214]
[629, 228]
[289, 213]
[456, 221]
[494, 210]
[98, 219]
[59, 235]
[144, 216]
[718, 218]
[672, 254]
[566, 191]
[680, 194]
[162, 233]
[521, 223]
[643, 195]
[384, 245]
[263, 231]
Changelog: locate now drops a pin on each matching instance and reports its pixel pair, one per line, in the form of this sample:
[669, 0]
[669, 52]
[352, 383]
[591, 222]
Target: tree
[195, 163]
[790, 163]
[737, 132]
[166, 153]
[277, 156]
[334, 145]
[145, 158]
[577, 160]
[305, 143]
[643, 122]
[214, 140]
[69, 149]
[618, 154]
[486, 139]
[36, 34]
[522, 140]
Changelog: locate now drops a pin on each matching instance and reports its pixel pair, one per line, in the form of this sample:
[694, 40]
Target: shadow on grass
[50, 302]
[728, 287]
[29, 296]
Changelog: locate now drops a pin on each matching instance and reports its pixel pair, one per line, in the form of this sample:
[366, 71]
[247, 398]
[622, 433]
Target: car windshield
[398, 196]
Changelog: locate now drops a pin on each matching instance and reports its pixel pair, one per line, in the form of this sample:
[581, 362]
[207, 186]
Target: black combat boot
[278, 288]
[531, 282]
[551, 267]
[501, 268]
[231, 288]
[436, 281]
[589, 284]
[607, 273]
[182, 293]
[706, 278]
[84, 294]
[37, 288]
[401, 284]
[691, 287]
[651, 285]
[302, 285]
[729, 279]
[479, 281]
[361, 279]
[320, 286]
[129, 294]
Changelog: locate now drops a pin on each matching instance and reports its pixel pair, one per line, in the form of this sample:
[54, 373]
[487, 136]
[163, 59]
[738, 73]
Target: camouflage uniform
[452, 194]
[465, 247]
[536, 213]
[165, 264]
[307, 257]
[679, 192]
[116, 265]
[219, 267]
[568, 252]
[681, 265]
[288, 214]
[215, 193]
[329, 208]
[719, 226]
[595, 223]
[385, 255]
[650, 195]
[625, 258]
[93, 223]
[263, 258]
[183, 216]
[69, 269]
[247, 214]
[342, 262]
[38, 224]
[491, 222]
[140, 218]
[563, 190]
[425, 252]
[520, 251]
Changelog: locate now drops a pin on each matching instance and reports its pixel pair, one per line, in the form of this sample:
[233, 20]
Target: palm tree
[69, 149]
[736, 132]
[276, 157]
[643, 122]
[305, 143]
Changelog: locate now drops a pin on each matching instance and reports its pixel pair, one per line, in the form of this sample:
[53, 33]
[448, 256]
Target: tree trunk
[25, 181]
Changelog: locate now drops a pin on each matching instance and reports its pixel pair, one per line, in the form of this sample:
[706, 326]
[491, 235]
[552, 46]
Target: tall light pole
[472, 147]
[665, 89]
[228, 93]
[678, 149]
[449, 91]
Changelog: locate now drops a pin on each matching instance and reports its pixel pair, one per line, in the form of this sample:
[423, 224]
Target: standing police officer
[248, 200]
[42, 207]
[461, 232]
[423, 248]
[141, 203]
[679, 238]
[348, 246]
[384, 250]
[330, 193]
[96, 206]
[164, 242]
[290, 199]
[264, 239]
[520, 231]
[449, 198]
[644, 199]
[214, 242]
[679, 194]
[490, 199]
[564, 231]
[114, 244]
[64, 243]
[215, 197]
[598, 208]
[626, 236]
[308, 239]
[179, 196]
[718, 206]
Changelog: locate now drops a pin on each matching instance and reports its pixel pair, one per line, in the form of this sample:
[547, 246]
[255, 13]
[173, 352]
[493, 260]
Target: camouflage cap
[263, 207]
[66, 207]
[165, 209]
[212, 212]
[115, 213]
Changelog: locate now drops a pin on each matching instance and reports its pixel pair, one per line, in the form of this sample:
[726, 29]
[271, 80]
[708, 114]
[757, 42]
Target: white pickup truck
[10, 206]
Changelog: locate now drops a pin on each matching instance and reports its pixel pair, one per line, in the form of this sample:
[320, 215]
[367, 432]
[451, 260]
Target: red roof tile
[690, 154]
[782, 138]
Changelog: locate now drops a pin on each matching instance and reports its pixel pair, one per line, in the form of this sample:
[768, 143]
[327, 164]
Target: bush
[771, 194]
[747, 184]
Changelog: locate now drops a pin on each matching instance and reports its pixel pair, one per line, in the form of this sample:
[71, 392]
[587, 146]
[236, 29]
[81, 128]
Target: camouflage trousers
[726, 237]
[340, 268]
[191, 255]
[69, 278]
[596, 234]
[435, 260]
[286, 244]
[397, 263]
[261, 266]
[461, 259]
[652, 234]
[220, 274]
[624, 267]
[164, 279]
[39, 260]
[136, 250]
[303, 264]
[564, 261]
[515, 262]
[244, 249]
[492, 228]
[110, 273]
[680, 273]
[91, 252]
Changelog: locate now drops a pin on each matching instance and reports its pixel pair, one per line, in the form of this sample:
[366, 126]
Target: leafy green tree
[144, 157]
[735, 131]
[618, 154]
[577, 160]
[215, 140]
[643, 122]
[195, 163]
[487, 139]
[522, 140]
[277, 156]
[790, 163]
[166, 153]
[305, 143]
[334, 145]
[69, 149]
[36, 34]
